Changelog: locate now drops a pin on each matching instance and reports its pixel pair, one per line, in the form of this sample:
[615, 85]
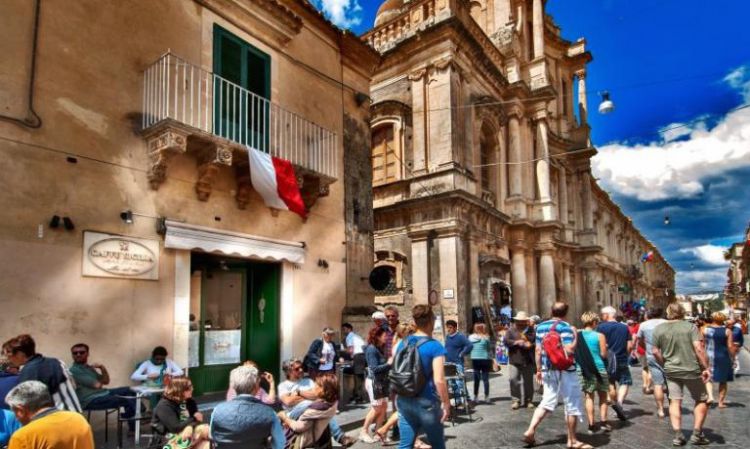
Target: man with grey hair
[678, 347]
[44, 426]
[620, 344]
[246, 422]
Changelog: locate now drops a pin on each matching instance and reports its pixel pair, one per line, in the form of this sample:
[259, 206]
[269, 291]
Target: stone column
[567, 286]
[546, 280]
[419, 271]
[538, 26]
[542, 171]
[588, 207]
[582, 102]
[518, 279]
[563, 196]
[514, 156]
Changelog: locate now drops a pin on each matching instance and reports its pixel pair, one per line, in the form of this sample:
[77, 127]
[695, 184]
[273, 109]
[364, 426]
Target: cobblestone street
[496, 426]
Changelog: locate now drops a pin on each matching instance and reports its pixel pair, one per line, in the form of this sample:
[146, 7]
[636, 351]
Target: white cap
[378, 316]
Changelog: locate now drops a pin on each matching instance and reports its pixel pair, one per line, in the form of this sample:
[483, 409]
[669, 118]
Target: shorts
[371, 394]
[622, 376]
[594, 385]
[565, 385]
[695, 387]
[657, 373]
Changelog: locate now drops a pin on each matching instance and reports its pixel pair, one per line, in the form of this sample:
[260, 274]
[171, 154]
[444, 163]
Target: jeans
[417, 415]
[336, 432]
[482, 371]
[114, 400]
[521, 383]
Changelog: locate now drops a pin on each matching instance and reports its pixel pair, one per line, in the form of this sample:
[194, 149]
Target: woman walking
[481, 360]
[720, 350]
[592, 370]
[376, 383]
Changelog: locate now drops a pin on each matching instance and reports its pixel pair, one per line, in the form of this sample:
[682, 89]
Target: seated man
[245, 421]
[90, 381]
[297, 393]
[21, 352]
[8, 380]
[44, 426]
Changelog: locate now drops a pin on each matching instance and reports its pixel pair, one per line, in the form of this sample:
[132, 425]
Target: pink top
[261, 395]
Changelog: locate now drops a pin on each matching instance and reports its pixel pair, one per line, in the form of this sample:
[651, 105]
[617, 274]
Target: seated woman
[312, 426]
[153, 371]
[176, 416]
[266, 397]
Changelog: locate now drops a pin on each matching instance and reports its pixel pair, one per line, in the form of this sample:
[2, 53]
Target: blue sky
[678, 64]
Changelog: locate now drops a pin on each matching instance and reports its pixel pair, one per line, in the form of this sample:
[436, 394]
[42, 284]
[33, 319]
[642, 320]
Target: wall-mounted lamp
[127, 216]
[606, 106]
[55, 222]
[68, 223]
[322, 263]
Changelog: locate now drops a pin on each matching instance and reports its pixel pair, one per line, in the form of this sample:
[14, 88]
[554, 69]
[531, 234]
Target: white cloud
[343, 13]
[711, 254]
[701, 280]
[674, 169]
[673, 131]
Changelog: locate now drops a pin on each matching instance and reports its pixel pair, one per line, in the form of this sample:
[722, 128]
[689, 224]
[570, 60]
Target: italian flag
[274, 180]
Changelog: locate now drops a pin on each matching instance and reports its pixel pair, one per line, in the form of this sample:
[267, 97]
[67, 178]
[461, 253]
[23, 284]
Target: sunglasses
[78, 352]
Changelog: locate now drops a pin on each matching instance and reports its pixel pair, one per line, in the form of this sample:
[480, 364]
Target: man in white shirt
[355, 347]
[645, 339]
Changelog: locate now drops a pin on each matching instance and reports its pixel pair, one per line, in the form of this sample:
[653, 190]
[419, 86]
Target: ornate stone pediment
[269, 16]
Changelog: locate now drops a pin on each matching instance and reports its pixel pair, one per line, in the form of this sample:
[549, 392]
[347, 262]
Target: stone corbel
[209, 164]
[162, 146]
[244, 187]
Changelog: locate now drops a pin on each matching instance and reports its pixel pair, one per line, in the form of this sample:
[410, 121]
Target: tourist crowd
[397, 364]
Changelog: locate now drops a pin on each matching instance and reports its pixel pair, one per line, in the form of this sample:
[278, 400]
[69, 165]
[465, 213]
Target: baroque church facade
[482, 186]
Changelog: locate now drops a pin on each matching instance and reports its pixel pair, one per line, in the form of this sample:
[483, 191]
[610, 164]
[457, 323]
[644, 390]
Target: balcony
[188, 110]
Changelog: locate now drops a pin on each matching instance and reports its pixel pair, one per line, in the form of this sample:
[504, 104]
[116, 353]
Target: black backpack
[407, 377]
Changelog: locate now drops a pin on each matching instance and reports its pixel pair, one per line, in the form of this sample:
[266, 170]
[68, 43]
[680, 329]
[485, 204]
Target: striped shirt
[55, 375]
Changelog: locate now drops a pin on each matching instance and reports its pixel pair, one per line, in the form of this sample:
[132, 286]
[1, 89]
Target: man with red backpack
[556, 370]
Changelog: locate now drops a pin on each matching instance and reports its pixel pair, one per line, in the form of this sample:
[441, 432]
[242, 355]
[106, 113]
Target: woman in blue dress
[720, 351]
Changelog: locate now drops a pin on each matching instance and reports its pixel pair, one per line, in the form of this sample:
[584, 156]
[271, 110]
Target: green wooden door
[221, 330]
[243, 70]
[263, 315]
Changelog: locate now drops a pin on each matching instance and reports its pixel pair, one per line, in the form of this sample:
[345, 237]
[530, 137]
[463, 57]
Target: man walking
[620, 343]
[520, 341]
[44, 426]
[557, 383]
[90, 382]
[645, 338]
[354, 347]
[678, 347]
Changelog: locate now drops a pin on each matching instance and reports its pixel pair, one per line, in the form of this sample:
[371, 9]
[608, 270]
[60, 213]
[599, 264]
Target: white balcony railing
[177, 90]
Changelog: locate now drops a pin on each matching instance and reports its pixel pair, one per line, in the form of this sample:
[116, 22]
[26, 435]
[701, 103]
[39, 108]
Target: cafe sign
[115, 256]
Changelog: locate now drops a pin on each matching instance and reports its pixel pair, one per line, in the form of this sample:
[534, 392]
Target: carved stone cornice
[269, 16]
[163, 144]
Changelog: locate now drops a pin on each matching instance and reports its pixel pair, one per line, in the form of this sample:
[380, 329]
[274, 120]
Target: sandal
[419, 444]
[529, 440]
[580, 445]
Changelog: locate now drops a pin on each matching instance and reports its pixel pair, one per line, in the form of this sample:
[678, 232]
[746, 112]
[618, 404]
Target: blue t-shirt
[427, 353]
[566, 334]
[617, 336]
[8, 425]
[737, 337]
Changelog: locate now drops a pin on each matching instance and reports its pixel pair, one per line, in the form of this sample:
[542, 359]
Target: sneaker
[366, 438]
[679, 439]
[605, 426]
[347, 441]
[515, 406]
[699, 439]
[530, 405]
[619, 412]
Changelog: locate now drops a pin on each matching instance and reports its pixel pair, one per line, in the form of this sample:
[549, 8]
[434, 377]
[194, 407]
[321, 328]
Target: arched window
[386, 160]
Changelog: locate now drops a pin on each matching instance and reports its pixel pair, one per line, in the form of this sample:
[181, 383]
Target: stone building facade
[128, 215]
[737, 290]
[481, 166]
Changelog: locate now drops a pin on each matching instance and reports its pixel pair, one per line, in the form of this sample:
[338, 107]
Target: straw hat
[521, 316]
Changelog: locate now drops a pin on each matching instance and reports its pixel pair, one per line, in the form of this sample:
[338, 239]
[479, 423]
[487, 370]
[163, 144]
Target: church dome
[388, 10]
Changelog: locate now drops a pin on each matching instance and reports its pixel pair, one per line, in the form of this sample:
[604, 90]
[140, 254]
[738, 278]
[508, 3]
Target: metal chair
[457, 390]
[107, 412]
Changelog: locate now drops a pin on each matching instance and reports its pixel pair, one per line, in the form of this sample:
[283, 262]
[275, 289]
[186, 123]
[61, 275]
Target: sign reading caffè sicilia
[116, 256]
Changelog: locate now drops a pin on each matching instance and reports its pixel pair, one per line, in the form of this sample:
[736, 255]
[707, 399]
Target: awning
[210, 240]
